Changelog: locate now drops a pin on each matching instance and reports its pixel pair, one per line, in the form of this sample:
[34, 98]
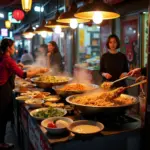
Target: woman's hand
[43, 70]
[21, 65]
[107, 75]
[140, 78]
[135, 72]
[123, 75]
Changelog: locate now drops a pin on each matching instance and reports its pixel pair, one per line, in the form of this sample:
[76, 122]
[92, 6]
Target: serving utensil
[107, 85]
[119, 79]
[135, 84]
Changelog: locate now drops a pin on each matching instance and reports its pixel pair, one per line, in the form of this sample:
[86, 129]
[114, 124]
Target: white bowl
[45, 109]
[34, 102]
[45, 122]
[88, 131]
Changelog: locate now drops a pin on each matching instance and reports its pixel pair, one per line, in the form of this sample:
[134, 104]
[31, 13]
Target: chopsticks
[120, 79]
[133, 85]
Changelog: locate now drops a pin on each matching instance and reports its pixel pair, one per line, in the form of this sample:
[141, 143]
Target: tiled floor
[11, 137]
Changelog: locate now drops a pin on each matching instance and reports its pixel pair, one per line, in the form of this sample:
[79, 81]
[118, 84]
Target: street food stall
[93, 116]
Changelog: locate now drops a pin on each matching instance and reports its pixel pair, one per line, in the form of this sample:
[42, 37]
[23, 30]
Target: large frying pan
[42, 84]
[86, 109]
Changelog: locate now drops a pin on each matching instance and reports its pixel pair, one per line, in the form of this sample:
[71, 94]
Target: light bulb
[81, 25]
[73, 23]
[97, 17]
[57, 29]
[29, 35]
[62, 34]
[43, 34]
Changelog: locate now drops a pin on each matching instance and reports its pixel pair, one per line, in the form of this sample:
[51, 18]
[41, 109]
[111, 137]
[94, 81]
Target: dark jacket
[56, 62]
[144, 71]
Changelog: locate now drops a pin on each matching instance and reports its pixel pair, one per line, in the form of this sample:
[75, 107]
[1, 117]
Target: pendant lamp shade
[97, 6]
[43, 31]
[53, 23]
[26, 5]
[66, 17]
[29, 33]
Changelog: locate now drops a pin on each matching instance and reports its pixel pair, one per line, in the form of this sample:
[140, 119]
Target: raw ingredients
[61, 124]
[49, 112]
[86, 129]
[57, 124]
[51, 125]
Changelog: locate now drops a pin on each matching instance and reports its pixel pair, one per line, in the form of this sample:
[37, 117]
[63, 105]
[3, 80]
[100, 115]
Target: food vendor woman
[113, 64]
[8, 68]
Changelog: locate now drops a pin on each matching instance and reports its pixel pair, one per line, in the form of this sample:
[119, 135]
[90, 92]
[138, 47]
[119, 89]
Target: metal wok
[65, 93]
[88, 110]
[42, 84]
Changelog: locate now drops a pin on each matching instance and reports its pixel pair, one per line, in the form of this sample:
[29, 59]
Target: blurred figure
[55, 61]
[26, 58]
[20, 52]
[41, 55]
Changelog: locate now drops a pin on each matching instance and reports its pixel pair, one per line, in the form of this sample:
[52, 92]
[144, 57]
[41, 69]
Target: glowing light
[81, 25]
[7, 24]
[43, 34]
[57, 29]
[26, 5]
[97, 17]
[38, 9]
[73, 23]
[62, 34]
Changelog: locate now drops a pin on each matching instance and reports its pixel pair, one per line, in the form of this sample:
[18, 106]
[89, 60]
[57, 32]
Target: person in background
[20, 52]
[113, 64]
[54, 57]
[41, 55]
[8, 68]
[26, 58]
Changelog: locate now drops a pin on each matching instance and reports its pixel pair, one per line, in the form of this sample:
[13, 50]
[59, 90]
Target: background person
[26, 58]
[55, 61]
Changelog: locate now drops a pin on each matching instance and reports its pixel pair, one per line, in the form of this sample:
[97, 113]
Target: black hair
[56, 49]
[117, 40]
[5, 43]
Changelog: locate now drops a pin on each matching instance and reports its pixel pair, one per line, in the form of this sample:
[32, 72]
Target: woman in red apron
[8, 68]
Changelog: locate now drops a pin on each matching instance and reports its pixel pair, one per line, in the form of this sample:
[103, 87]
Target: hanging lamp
[97, 11]
[26, 5]
[29, 33]
[42, 30]
[54, 24]
[7, 24]
[68, 17]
